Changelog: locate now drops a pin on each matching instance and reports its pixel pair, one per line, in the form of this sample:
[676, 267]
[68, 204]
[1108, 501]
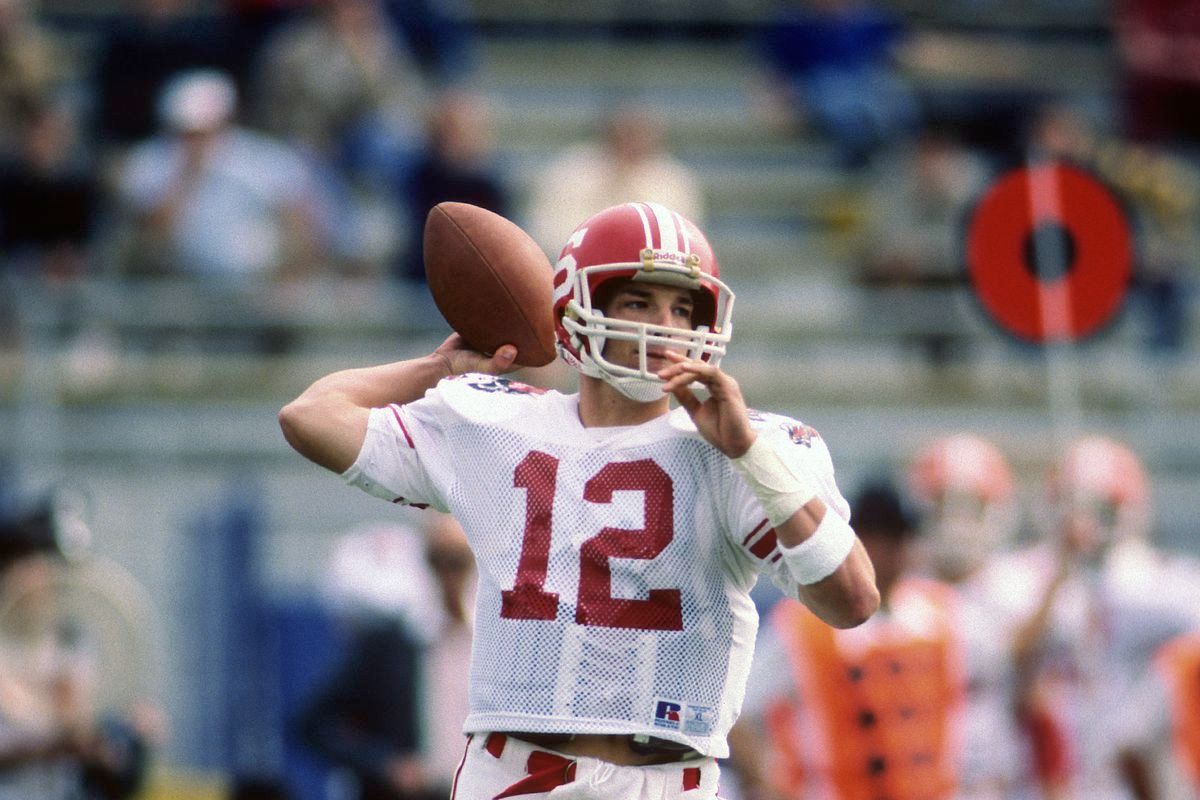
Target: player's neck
[602, 406]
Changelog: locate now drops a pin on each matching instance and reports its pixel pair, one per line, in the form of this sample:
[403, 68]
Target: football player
[964, 494]
[616, 539]
[1112, 600]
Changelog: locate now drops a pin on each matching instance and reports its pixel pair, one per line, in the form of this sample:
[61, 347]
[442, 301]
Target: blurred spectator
[832, 62]
[212, 200]
[630, 163]
[457, 166]
[916, 206]
[48, 199]
[438, 36]
[392, 713]
[254, 22]
[858, 713]
[53, 743]
[914, 214]
[1162, 194]
[1160, 43]
[341, 85]
[157, 41]
[34, 64]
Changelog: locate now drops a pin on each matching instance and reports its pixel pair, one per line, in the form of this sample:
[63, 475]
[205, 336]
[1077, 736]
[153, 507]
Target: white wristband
[820, 554]
[779, 486]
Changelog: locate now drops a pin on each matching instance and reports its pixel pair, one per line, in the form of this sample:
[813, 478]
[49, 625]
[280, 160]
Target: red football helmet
[640, 242]
[1102, 484]
[963, 488]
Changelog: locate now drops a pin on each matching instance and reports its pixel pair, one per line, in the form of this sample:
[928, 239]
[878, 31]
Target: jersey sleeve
[404, 458]
[753, 535]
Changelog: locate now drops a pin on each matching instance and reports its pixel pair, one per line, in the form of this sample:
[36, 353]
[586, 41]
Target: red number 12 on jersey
[661, 610]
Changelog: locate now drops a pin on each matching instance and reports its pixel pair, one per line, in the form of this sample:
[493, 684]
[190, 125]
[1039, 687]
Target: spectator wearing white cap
[213, 200]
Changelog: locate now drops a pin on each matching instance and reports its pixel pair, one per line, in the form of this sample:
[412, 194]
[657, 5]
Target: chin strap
[639, 390]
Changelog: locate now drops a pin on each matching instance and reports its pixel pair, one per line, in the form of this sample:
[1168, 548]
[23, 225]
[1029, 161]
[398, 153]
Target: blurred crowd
[254, 140]
[269, 139]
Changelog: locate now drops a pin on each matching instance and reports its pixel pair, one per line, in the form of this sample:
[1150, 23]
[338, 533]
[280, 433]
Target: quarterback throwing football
[617, 540]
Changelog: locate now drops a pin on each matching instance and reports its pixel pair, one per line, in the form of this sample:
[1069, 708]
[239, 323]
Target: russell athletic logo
[666, 714]
[691, 719]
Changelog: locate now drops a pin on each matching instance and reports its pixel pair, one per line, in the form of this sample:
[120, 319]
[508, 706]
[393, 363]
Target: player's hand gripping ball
[491, 281]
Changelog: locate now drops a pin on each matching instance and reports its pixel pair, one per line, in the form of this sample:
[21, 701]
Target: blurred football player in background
[617, 540]
[861, 713]
[1160, 737]
[1112, 600]
[963, 491]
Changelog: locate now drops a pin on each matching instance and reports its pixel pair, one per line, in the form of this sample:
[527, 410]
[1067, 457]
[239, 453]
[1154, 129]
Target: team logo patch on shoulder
[800, 433]
[490, 383]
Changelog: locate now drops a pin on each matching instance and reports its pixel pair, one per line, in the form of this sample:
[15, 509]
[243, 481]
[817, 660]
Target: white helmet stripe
[687, 242]
[645, 223]
[667, 232]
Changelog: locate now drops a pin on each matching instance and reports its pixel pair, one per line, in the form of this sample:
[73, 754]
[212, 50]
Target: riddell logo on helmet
[673, 257]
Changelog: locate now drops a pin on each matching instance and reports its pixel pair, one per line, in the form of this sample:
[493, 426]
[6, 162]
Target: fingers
[460, 357]
[685, 371]
[684, 366]
[686, 397]
[502, 360]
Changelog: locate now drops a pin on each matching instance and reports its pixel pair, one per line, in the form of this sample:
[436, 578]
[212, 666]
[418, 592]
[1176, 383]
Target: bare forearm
[328, 421]
[847, 596]
[373, 387]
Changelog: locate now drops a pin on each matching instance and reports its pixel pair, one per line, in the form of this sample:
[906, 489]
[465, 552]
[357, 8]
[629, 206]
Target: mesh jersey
[614, 563]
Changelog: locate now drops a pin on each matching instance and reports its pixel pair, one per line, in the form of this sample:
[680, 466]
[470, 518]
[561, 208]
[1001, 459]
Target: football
[491, 281]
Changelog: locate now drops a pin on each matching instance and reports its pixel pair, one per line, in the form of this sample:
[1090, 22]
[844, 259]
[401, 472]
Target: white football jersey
[615, 564]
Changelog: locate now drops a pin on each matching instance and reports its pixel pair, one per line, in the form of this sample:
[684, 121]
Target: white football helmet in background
[1099, 493]
[962, 487]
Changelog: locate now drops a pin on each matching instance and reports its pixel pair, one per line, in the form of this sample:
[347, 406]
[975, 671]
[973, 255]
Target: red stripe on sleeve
[396, 412]
[750, 535]
[763, 547]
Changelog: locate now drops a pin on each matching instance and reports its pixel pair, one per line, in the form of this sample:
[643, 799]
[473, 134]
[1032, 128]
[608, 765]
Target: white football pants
[496, 767]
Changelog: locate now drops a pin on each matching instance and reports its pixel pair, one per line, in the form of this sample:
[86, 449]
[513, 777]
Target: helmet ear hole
[604, 294]
[704, 310]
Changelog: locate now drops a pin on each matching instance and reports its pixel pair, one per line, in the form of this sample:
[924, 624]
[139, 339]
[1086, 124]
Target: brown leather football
[491, 281]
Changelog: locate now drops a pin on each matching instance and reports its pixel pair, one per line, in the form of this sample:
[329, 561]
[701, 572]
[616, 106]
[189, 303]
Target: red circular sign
[1003, 259]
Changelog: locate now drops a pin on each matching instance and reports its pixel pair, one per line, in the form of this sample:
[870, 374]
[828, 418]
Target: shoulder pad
[480, 397]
